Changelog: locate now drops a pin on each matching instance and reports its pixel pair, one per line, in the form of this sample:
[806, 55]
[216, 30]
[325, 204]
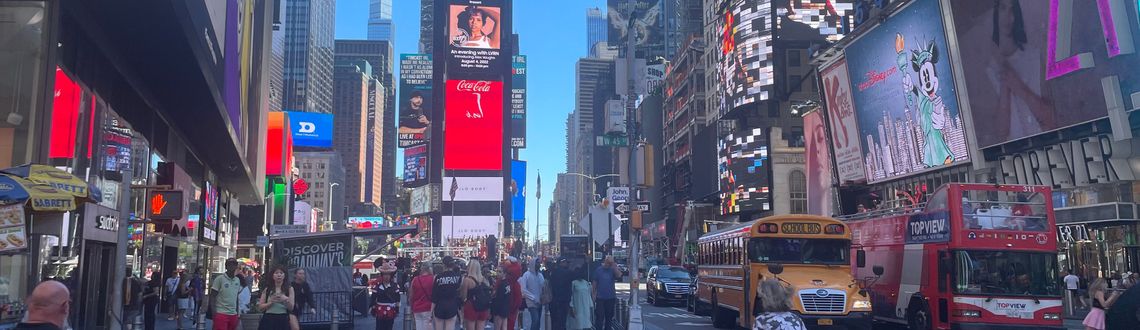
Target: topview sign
[311, 129]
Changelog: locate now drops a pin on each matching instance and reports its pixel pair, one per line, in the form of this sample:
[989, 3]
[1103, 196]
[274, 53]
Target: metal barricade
[330, 307]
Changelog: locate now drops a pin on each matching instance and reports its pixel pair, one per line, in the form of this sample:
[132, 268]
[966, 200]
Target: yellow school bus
[810, 254]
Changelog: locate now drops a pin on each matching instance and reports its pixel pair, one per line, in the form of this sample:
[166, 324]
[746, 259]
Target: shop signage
[1072, 233]
[107, 222]
[289, 229]
[1080, 162]
[209, 234]
[165, 205]
[263, 241]
[928, 228]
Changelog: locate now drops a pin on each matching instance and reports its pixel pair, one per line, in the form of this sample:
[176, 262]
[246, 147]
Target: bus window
[1005, 273]
[1004, 210]
[799, 251]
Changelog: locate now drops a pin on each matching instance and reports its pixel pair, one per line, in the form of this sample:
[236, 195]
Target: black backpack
[480, 296]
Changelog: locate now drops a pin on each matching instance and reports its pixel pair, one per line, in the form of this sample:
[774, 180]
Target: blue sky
[553, 36]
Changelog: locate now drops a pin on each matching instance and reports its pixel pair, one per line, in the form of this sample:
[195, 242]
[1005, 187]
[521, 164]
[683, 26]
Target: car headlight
[858, 304]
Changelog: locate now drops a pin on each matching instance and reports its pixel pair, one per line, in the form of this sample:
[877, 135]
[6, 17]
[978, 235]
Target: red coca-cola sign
[473, 132]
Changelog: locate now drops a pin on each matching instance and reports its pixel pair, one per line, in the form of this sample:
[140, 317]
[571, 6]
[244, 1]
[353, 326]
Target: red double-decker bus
[974, 256]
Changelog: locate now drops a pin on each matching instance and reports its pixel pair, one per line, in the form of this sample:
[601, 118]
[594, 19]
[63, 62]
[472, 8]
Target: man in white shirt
[1073, 283]
[531, 284]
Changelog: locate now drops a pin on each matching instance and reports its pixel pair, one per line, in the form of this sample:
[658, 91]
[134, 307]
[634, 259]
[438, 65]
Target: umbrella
[45, 188]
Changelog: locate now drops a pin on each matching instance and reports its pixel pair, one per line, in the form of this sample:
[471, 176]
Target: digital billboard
[475, 35]
[311, 129]
[744, 65]
[415, 99]
[415, 166]
[518, 102]
[473, 189]
[518, 190]
[817, 159]
[648, 24]
[1022, 84]
[474, 130]
[745, 172]
[833, 18]
[469, 226]
[905, 101]
[844, 129]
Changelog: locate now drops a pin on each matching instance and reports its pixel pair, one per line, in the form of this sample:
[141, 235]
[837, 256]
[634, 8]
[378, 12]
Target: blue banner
[518, 190]
[928, 228]
[311, 129]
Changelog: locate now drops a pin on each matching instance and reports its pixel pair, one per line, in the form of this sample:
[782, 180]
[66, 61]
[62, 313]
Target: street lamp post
[330, 206]
[593, 194]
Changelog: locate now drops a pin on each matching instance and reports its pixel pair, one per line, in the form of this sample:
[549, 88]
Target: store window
[23, 37]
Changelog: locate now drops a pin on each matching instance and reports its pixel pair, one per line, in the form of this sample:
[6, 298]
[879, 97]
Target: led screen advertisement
[415, 99]
[905, 101]
[475, 35]
[474, 132]
[745, 172]
[518, 190]
[833, 18]
[817, 156]
[1021, 84]
[841, 114]
[744, 65]
[648, 23]
[311, 129]
[415, 166]
[518, 102]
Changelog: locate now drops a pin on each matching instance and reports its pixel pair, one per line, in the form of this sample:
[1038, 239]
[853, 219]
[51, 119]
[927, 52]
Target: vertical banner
[818, 166]
[415, 99]
[518, 102]
[474, 133]
[841, 114]
[327, 261]
[518, 190]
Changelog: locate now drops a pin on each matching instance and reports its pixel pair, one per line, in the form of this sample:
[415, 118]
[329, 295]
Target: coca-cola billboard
[473, 132]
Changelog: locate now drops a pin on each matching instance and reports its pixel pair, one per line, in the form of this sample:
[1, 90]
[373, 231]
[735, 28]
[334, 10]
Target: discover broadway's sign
[315, 252]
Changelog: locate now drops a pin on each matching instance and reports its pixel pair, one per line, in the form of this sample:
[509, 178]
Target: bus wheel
[919, 316]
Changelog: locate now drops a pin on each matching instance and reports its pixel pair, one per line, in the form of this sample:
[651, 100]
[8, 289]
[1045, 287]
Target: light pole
[593, 194]
[330, 206]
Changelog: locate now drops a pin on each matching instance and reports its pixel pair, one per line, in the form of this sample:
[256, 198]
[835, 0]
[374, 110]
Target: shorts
[184, 303]
[225, 321]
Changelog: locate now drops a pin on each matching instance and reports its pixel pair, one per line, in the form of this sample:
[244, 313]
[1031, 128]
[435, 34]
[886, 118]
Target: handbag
[385, 311]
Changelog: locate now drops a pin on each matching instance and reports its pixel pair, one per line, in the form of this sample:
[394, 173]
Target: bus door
[943, 277]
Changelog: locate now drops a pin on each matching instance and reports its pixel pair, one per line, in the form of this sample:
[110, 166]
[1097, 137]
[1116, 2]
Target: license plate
[824, 322]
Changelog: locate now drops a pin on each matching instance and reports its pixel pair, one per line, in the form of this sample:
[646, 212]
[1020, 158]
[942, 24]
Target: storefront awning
[1097, 213]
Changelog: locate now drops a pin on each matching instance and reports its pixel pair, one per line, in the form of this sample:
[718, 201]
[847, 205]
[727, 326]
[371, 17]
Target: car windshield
[799, 250]
[1006, 273]
[672, 273]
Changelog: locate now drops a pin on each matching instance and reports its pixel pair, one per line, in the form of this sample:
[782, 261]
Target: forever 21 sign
[1079, 162]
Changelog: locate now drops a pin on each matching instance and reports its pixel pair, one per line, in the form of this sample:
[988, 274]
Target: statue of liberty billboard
[930, 112]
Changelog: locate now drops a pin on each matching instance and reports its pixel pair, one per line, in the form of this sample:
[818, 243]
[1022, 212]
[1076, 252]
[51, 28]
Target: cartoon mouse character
[931, 112]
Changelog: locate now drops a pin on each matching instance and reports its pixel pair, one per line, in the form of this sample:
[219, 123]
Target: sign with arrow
[625, 208]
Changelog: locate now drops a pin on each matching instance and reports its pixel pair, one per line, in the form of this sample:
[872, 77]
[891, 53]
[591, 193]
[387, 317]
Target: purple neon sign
[1118, 39]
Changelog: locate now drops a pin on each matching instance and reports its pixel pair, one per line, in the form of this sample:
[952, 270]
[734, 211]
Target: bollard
[201, 325]
[622, 313]
[335, 315]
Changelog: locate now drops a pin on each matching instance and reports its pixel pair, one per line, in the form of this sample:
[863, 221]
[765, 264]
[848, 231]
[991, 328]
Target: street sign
[618, 194]
[289, 229]
[262, 241]
[612, 141]
[624, 208]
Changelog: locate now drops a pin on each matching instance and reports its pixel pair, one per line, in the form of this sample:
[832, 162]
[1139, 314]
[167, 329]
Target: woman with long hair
[473, 318]
[386, 297]
[183, 294]
[419, 293]
[276, 301]
[775, 308]
[1095, 319]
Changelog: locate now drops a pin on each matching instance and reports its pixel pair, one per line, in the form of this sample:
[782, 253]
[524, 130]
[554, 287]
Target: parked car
[666, 284]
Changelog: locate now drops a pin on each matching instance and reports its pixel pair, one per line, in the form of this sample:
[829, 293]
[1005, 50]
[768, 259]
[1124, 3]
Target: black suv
[667, 284]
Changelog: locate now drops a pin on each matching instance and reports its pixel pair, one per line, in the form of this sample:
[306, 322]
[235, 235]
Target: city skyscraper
[382, 131]
[595, 29]
[427, 12]
[380, 26]
[308, 67]
[350, 138]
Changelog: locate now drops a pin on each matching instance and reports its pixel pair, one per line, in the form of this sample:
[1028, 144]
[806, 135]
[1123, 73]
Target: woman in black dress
[151, 300]
[277, 301]
[386, 297]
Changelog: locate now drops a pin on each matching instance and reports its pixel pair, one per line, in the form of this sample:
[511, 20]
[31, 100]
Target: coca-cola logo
[477, 86]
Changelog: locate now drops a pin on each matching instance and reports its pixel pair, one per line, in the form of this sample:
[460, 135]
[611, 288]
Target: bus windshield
[1006, 273]
[799, 250]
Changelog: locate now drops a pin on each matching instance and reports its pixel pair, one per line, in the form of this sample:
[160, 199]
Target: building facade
[308, 61]
[596, 28]
[381, 129]
[323, 171]
[352, 83]
[380, 25]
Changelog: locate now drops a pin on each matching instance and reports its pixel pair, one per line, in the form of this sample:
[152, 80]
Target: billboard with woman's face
[475, 35]
[1022, 84]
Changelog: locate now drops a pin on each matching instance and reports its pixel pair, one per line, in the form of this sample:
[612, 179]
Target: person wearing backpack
[477, 290]
[445, 296]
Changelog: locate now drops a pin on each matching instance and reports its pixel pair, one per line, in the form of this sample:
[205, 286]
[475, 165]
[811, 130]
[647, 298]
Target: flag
[538, 191]
[454, 188]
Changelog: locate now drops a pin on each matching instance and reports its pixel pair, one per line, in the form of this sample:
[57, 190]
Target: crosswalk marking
[674, 315]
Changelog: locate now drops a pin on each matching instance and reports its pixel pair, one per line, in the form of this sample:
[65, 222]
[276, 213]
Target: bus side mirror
[860, 258]
[775, 269]
[878, 270]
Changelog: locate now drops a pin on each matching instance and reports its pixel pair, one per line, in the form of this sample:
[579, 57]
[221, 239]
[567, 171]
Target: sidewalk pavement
[360, 322]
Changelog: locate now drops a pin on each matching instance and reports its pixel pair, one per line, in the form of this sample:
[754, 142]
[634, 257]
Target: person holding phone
[276, 301]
